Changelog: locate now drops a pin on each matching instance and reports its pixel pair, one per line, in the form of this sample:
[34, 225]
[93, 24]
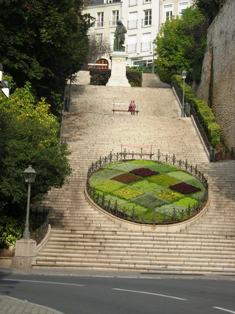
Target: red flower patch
[144, 172]
[126, 178]
[184, 188]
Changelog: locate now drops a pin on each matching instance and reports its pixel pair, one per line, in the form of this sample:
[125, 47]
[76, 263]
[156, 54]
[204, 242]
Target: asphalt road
[123, 295]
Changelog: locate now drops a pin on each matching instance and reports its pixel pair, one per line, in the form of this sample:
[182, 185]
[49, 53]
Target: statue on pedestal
[119, 37]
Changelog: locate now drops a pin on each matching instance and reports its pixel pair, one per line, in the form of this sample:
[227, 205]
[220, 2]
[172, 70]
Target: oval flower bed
[147, 191]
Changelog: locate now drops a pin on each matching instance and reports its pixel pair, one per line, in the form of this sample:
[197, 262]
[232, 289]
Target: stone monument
[119, 56]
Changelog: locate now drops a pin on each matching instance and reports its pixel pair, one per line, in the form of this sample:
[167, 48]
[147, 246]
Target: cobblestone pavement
[9, 305]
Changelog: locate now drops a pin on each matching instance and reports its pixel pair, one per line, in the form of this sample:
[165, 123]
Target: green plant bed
[147, 191]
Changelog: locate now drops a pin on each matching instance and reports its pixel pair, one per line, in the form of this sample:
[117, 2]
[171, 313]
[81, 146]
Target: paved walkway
[152, 80]
[9, 305]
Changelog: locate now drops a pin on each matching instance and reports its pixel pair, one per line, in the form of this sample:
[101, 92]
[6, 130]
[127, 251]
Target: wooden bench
[123, 107]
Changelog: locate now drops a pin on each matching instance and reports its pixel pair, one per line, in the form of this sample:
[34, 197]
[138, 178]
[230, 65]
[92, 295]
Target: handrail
[188, 110]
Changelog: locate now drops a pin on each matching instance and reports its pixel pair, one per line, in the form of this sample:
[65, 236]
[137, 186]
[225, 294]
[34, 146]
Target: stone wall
[218, 72]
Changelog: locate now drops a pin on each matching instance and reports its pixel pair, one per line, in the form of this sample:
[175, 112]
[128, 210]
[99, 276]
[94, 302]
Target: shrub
[134, 77]
[10, 231]
[168, 195]
[101, 77]
[127, 193]
[204, 112]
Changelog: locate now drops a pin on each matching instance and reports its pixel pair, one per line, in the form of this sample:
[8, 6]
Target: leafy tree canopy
[210, 8]
[28, 135]
[181, 44]
[43, 42]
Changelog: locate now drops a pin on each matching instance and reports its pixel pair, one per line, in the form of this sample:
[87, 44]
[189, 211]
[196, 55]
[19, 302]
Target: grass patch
[109, 186]
[180, 175]
[149, 201]
[186, 202]
[163, 180]
[145, 186]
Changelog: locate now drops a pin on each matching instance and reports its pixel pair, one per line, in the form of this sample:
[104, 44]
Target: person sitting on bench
[132, 107]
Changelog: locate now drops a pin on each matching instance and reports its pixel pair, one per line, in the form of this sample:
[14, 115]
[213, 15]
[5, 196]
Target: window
[182, 7]
[147, 17]
[132, 20]
[168, 12]
[100, 19]
[115, 17]
[146, 42]
[168, 15]
[132, 3]
[132, 43]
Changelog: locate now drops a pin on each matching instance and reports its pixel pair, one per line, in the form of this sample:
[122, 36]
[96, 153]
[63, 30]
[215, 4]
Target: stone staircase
[85, 237]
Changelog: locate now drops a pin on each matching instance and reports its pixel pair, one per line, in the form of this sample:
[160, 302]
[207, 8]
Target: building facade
[142, 18]
[173, 8]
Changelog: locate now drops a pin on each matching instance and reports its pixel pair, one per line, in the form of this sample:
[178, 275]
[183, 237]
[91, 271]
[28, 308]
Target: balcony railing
[132, 24]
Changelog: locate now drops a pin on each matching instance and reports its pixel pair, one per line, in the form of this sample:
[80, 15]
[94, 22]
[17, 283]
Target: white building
[172, 8]
[142, 19]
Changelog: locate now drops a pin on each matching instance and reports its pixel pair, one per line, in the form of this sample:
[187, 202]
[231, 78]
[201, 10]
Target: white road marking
[223, 309]
[45, 282]
[151, 293]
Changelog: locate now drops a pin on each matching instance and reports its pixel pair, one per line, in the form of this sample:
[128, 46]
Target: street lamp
[29, 177]
[153, 57]
[184, 74]
[4, 84]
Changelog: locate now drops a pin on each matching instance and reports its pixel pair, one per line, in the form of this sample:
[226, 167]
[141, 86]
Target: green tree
[28, 135]
[210, 8]
[181, 45]
[43, 42]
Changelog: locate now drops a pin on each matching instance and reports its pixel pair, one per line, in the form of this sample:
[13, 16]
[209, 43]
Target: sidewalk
[9, 305]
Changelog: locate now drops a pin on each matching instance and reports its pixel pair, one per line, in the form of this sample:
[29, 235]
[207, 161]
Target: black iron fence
[117, 209]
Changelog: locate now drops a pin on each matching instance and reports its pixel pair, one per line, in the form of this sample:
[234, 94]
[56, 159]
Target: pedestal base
[118, 72]
[25, 253]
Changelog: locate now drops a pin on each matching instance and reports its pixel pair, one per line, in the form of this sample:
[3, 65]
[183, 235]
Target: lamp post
[153, 57]
[29, 177]
[4, 84]
[184, 74]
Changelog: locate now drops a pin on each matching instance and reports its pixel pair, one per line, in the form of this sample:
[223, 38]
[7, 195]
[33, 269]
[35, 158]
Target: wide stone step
[161, 252]
[138, 266]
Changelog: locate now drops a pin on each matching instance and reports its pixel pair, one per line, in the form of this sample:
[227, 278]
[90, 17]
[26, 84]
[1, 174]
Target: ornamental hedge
[204, 112]
[101, 77]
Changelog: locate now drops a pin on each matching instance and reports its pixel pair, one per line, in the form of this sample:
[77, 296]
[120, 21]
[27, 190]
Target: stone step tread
[127, 233]
[133, 239]
[168, 261]
[154, 255]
